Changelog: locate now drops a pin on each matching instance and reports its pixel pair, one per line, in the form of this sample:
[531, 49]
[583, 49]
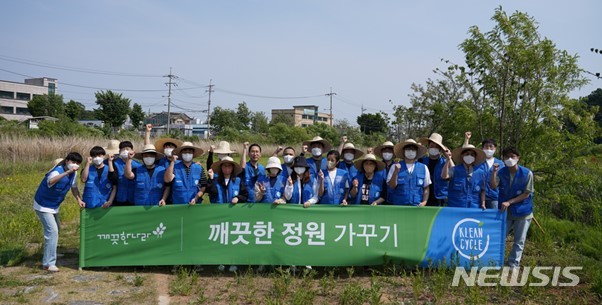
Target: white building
[15, 96]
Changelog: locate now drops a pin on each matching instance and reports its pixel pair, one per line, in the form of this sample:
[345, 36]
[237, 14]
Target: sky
[267, 53]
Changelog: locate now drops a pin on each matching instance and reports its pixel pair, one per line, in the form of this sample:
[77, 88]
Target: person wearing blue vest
[271, 187]
[385, 152]
[253, 171]
[349, 153]
[369, 186]
[288, 157]
[125, 187]
[435, 161]
[164, 146]
[301, 187]
[334, 188]
[466, 180]
[224, 184]
[150, 188]
[51, 192]
[516, 190]
[317, 146]
[491, 194]
[99, 190]
[409, 180]
[187, 179]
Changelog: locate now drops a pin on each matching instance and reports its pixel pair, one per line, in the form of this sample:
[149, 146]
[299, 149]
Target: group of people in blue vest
[427, 174]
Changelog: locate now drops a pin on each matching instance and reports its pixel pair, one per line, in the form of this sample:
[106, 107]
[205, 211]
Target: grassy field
[564, 243]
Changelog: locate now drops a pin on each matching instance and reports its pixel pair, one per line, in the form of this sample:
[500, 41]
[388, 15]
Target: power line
[265, 96]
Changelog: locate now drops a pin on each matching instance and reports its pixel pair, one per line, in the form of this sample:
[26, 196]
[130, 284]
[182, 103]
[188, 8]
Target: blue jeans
[51, 225]
[520, 227]
[491, 204]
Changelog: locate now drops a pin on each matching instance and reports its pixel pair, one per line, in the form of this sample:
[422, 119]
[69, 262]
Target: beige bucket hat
[273, 162]
[112, 148]
[223, 147]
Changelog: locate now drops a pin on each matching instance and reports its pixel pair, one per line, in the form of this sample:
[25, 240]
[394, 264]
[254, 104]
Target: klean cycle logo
[125, 237]
[469, 239]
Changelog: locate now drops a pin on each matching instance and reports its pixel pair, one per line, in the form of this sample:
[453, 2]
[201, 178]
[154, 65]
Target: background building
[15, 96]
[304, 115]
[180, 121]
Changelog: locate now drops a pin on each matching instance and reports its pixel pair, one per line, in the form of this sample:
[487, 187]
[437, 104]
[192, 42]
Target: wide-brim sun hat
[359, 164]
[327, 146]
[223, 147]
[54, 164]
[356, 152]
[112, 148]
[197, 151]
[273, 162]
[161, 142]
[217, 166]
[378, 150]
[399, 148]
[435, 138]
[457, 154]
[148, 148]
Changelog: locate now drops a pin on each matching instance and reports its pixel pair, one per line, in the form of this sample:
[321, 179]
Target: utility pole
[169, 84]
[209, 108]
[330, 94]
[363, 109]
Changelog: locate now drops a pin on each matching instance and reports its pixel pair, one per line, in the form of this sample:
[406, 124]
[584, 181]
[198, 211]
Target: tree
[222, 118]
[372, 123]
[259, 123]
[74, 109]
[136, 115]
[47, 105]
[325, 131]
[113, 108]
[244, 115]
[282, 118]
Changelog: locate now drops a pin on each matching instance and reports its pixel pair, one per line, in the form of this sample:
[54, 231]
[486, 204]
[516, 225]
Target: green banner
[257, 234]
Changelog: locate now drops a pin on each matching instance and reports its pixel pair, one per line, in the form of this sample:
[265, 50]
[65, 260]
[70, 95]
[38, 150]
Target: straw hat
[149, 148]
[327, 145]
[197, 151]
[435, 138]
[457, 154]
[273, 162]
[217, 167]
[161, 142]
[223, 147]
[356, 152]
[378, 149]
[359, 164]
[399, 148]
[112, 148]
[54, 164]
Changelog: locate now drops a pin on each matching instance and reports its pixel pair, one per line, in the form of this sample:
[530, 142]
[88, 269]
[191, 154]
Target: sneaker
[233, 268]
[308, 267]
[221, 268]
[52, 268]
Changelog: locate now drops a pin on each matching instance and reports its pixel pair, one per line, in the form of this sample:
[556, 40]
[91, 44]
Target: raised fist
[467, 135]
[355, 183]
[210, 174]
[289, 181]
[111, 157]
[246, 145]
[131, 154]
[211, 148]
[344, 139]
[321, 175]
[448, 154]
[149, 127]
[496, 167]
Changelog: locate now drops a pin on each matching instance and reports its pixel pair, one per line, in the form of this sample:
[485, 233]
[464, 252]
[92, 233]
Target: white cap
[274, 162]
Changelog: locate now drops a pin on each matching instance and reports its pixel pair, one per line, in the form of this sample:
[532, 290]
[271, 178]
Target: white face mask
[221, 156]
[434, 151]
[348, 156]
[148, 161]
[168, 151]
[316, 151]
[300, 170]
[387, 156]
[124, 154]
[72, 166]
[510, 162]
[187, 157]
[410, 154]
[489, 152]
[288, 159]
[468, 159]
[97, 160]
[332, 164]
[274, 171]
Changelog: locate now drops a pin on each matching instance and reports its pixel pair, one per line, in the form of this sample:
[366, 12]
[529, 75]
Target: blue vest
[51, 197]
[251, 178]
[125, 186]
[409, 190]
[149, 190]
[464, 193]
[334, 194]
[184, 188]
[508, 191]
[490, 194]
[307, 192]
[97, 189]
[225, 194]
[352, 172]
[439, 184]
[376, 187]
[313, 167]
[273, 192]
